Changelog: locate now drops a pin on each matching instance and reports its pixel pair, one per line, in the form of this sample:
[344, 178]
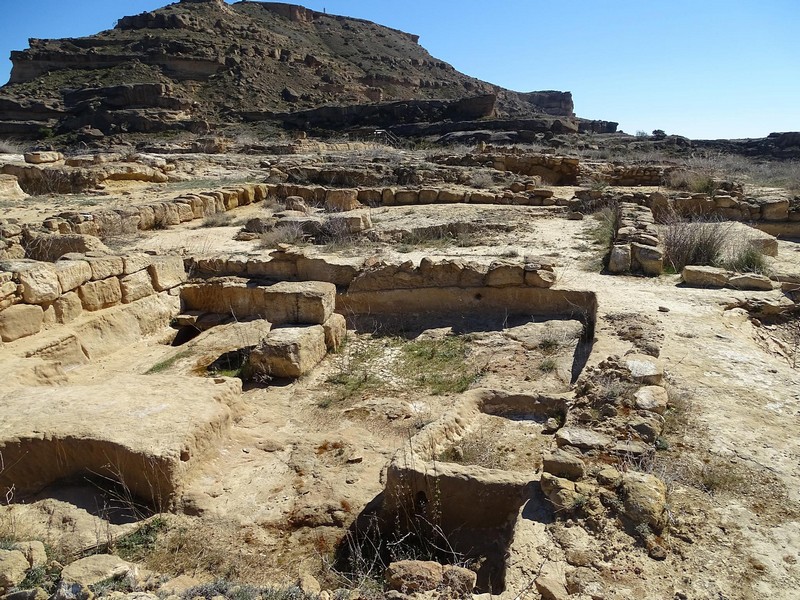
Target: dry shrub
[710, 243]
[291, 233]
[11, 147]
[694, 243]
[222, 219]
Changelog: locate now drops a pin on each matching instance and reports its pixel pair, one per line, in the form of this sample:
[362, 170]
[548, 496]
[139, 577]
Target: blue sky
[700, 68]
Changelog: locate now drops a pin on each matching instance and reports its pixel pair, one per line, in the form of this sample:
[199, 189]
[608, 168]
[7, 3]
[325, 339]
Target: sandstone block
[342, 200]
[33, 551]
[564, 464]
[185, 212]
[7, 288]
[644, 369]
[775, 210]
[644, 498]
[502, 274]
[428, 196]
[652, 398]
[135, 262]
[404, 197]
[387, 196]
[335, 331]
[750, 281]
[104, 267]
[650, 259]
[305, 302]
[450, 197]
[460, 580]
[9, 188]
[167, 272]
[72, 273]
[620, 259]
[700, 276]
[68, 307]
[19, 321]
[94, 569]
[412, 576]
[370, 196]
[585, 439]
[13, 568]
[482, 198]
[289, 352]
[44, 157]
[136, 286]
[541, 278]
[96, 295]
[39, 284]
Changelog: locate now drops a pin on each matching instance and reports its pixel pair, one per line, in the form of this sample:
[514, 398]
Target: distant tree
[641, 133]
[659, 134]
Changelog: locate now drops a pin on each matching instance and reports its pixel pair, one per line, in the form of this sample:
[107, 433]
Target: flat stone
[136, 286]
[72, 273]
[585, 439]
[750, 281]
[644, 369]
[96, 568]
[563, 464]
[68, 307]
[700, 276]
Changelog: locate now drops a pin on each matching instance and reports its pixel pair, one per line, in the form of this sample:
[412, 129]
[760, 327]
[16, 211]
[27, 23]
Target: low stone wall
[111, 222]
[732, 207]
[120, 221]
[628, 175]
[356, 275]
[10, 240]
[553, 169]
[637, 247]
[35, 295]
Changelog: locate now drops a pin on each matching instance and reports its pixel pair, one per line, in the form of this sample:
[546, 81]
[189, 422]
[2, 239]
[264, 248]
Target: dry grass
[478, 448]
[11, 147]
[694, 243]
[282, 234]
[710, 243]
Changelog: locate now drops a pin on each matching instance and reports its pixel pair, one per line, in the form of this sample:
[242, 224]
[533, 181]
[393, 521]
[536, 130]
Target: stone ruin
[277, 317]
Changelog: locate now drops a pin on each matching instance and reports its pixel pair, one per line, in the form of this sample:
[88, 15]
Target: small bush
[478, 448]
[482, 180]
[694, 243]
[11, 147]
[218, 220]
[605, 229]
[746, 258]
[283, 234]
[548, 365]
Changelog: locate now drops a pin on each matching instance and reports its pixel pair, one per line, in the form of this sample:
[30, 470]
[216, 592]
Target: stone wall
[553, 169]
[636, 247]
[35, 295]
[628, 175]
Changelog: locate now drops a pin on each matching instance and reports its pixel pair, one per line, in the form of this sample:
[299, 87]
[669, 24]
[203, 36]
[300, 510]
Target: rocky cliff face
[201, 62]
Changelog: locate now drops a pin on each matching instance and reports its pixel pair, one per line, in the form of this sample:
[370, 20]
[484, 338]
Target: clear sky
[700, 68]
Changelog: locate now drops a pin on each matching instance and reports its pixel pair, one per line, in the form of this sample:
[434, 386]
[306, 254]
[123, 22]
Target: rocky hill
[199, 63]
